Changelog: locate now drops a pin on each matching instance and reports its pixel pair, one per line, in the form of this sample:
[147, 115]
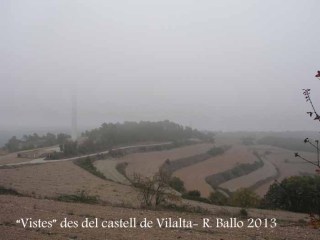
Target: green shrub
[218, 198]
[216, 151]
[177, 184]
[195, 195]
[86, 164]
[297, 193]
[245, 197]
[8, 191]
[80, 196]
[243, 213]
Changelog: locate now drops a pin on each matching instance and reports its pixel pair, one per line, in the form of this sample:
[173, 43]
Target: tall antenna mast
[74, 124]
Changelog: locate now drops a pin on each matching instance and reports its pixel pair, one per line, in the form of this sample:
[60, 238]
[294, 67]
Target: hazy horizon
[211, 65]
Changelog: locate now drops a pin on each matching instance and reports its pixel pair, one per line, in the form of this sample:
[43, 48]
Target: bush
[80, 196]
[243, 213]
[244, 197]
[177, 184]
[8, 191]
[298, 194]
[217, 150]
[195, 195]
[218, 198]
[86, 164]
[152, 190]
[121, 168]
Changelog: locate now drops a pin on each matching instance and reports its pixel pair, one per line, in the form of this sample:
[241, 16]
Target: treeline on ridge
[109, 135]
[33, 141]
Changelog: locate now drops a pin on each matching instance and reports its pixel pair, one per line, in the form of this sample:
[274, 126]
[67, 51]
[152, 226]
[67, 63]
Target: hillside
[13, 208]
[44, 187]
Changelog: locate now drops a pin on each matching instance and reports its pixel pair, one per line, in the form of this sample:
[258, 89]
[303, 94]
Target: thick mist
[216, 65]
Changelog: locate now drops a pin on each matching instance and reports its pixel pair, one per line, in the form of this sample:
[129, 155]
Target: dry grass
[13, 208]
[54, 179]
[10, 158]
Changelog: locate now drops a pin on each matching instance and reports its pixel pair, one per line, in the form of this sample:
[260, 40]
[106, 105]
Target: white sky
[218, 65]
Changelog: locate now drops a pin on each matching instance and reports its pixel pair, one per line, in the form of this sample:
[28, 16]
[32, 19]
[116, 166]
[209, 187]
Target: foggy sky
[217, 65]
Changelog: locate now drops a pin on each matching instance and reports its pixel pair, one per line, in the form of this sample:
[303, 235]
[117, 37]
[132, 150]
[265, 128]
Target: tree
[13, 144]
[70, 148]
[297, 193]
[194, 193]
[153, 190]
[61, 138]
[218, 198]
[50, 139]
[177, 184]
[244, 197]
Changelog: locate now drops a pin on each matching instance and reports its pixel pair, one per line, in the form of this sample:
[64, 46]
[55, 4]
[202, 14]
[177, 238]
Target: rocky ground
[13, 208]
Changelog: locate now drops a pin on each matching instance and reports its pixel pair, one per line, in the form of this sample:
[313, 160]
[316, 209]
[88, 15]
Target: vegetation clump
[214, 151]
[86, 164]
[8, 191]
[245, 198]
[28, 142]
[80, 197]
[177, 184]
[188, 161]
[218, 198]
[195, 195]
[153, 190]
[116, 134]
[240, 170]
[297, 194]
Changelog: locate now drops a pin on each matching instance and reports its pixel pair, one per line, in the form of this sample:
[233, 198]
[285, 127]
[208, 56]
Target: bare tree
[313, 143]
[153, 190]
[145, 186]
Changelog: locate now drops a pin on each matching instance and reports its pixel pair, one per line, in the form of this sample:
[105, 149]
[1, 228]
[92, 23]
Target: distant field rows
[149, 163]
[268, 170]
[286, 163]
[194, 176]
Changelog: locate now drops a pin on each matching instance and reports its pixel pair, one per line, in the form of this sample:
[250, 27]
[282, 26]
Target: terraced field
[148, 163]
[50, 180]
[194, 175]
[268, 171]
[286, 164]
